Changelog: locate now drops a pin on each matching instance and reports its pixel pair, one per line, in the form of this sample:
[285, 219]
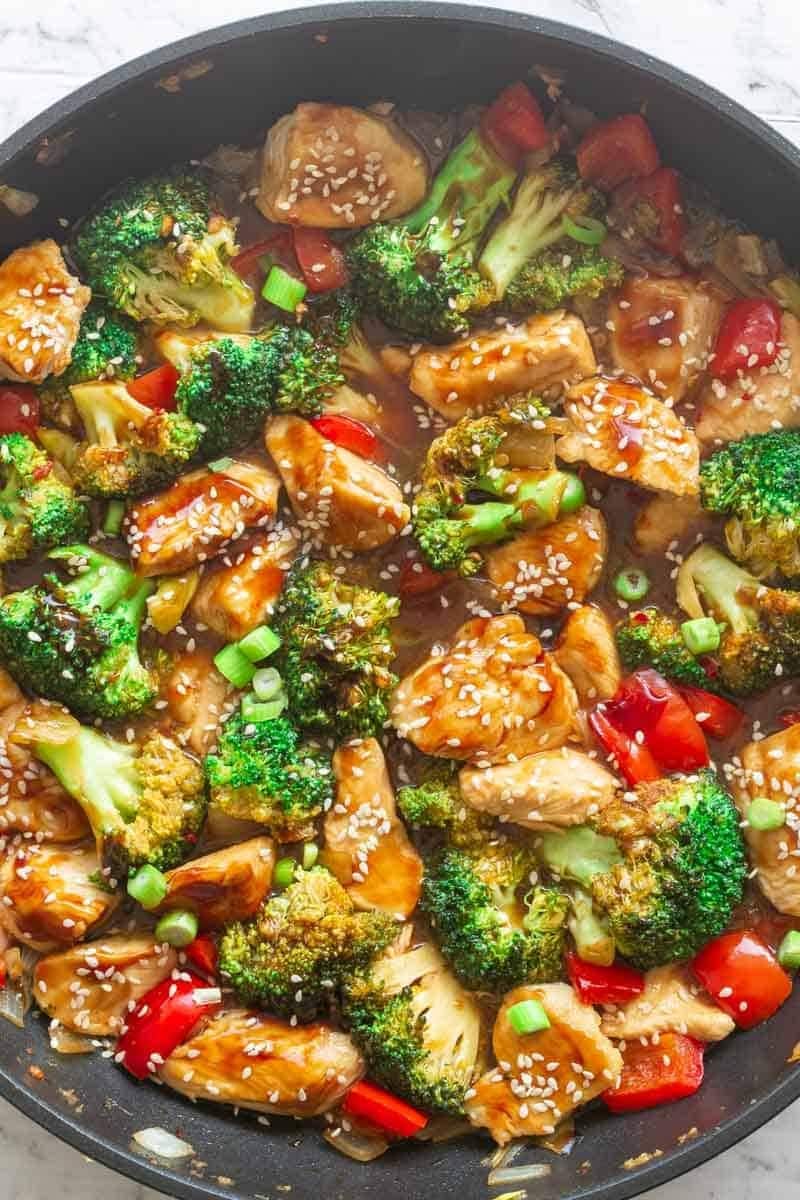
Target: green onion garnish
[235, 666]
[310, 855]
[528, 1017]
[255, 711]
[220, 464]
[701, 635]
[586, 230]
[789, 950]
[283, 875]
[574, 494]
[148, 886]
[259, 643]
[115, 515]
[267, 683]
[632, 584]
[283, 290]
[764, 814]
[177, 928]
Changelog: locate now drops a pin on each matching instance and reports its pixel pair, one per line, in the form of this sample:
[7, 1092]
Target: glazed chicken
[47, 897]
[587, 651]
[227, 885]
[41, 305]
[197, 698]
[672, 1002]
[241, 591]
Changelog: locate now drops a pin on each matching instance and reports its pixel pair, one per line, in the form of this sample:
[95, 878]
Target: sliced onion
[686, 593]
[45, 723]
[444, 1129]
[19, 203]
[209, 995]
[511, 1175]
[171, 599]
[165, 1145]
[17, 995]
[361, 1147]
[64, 1041]
[13, 1006]
[231, 161]
[503, 1156]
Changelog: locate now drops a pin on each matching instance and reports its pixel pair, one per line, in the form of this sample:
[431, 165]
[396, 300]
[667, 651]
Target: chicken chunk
[587, 650]
[47, 897]
[336, 495]
[622, 430]
[241, 593]
[663, 331]
[197, 697]
[227, 885]
[665, 520]
[366, 845]
[762, 399]
[90, 987]
[551, 350]
[771, 768]
[542, 1077]
[493, 695]
[256, 1061]
[672, 1002]
[41, 306]
[195, 518]
[336, 167]
[545, 792]
[543, 571]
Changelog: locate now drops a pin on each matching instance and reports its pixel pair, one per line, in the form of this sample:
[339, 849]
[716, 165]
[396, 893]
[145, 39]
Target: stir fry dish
[400, 625]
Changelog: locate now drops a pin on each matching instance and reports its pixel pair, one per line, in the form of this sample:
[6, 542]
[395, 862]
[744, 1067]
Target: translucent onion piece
[171, 599]
[165, 1145]
[19, 203]
[361, 1147]
[45, 723]
[686, 593]
[511, 1175]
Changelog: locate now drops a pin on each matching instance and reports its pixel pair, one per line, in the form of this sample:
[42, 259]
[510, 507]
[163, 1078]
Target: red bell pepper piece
[370, 1103]
[646, 703]
[279, 247]
[657, 1074]
[418, 579]
[714, 715]
[748, 337]
[655, 206]
[202, 953]
[19, 409]
[743, 976]
[163, 1018]
[156, 388]
[351, 435]
[514, 124]
[603, 985]
[633, 760]
[789, 717]
[321, 260]
[614, 151]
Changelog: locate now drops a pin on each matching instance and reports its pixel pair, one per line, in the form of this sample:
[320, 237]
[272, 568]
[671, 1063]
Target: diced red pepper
[646, 703]
[633, 760]
[381, 1108]
[19, 409]
[657, 1074]
[279, 247]
[321, 260]
[202, 953]
[418, 579]
[514, 124]
[714, 715]
[351, 435]
[614, 151]
[162, 1019]
[743, 976]
[603, 985]
[654, 204]
[789, 717]
[156, 388]
[748, 337]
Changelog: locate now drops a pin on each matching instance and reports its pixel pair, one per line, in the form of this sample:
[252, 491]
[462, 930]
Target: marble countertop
[747, 48]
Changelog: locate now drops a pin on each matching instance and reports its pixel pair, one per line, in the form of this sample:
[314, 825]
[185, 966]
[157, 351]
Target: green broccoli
[77, 641]
[129, 449]
[38, 510]
[297, 950]
[156, 251]
[144, 800]
[417, 274]
[756, 484]
[549, 280]
[665, 869]
[335, 652]
[261, 772]
[761, 639]
[650, 638]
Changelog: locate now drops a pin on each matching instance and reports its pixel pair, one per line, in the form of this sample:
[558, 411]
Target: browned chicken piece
[492, 696]
[41, 306]
[545, 792]
[47, 898]
[227, 885]
[663, 331]
[542, 1077]
[587, 650]
[336, 495]
[366, 844]
[771, 768]
[551, 350]
[240, 594]
[672, 1002]
[197, 696]
[336, 167]
[762, 399]
[194, 519]
[622, 430]
[256, 1061]
[90, 987]
[543, 571]
[665, 521]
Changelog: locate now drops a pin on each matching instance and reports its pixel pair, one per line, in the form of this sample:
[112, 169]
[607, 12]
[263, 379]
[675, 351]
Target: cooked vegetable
[38, 510]
[106, 348]
[744, 977]
[657, 1074]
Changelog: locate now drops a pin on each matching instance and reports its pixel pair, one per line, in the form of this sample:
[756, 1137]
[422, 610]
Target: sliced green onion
[632, 584]
[283, 290]
[177, 928]
[148, 886]
[764, 814]
[283, 874]
[267, 683]
[220, 464]
[255, 711]
[235, 666]
[701, 635]
[574, 495]
[789, 950]
[259, 643]
[528, 1017]
[586, 230]
[310, 855]
[115, 515]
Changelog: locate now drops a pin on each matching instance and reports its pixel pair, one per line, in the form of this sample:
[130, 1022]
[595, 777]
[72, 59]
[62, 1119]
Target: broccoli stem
[593, 941]
[724, 586]
[538, 500]
[534, 223]
[99, 773]
[103, 584]
[488, 522]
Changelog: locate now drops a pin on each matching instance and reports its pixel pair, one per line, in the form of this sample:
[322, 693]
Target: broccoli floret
[261, 772]
[417, 274]
[77, 641]
[650, 638]
[37, 509]
[335, 652]
[756, 484]
[549, 280]
[293, 955]
[129, 449]
[106, 348]
[666, 869]
[156, 251]
[761, 638]
[436, 803]
[309, 371]
[145, 801]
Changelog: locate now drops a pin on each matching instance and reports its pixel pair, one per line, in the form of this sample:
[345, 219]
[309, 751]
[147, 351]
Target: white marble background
[747, 48]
